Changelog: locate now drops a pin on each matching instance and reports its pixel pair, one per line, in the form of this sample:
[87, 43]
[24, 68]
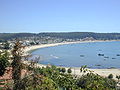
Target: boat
[100, 54]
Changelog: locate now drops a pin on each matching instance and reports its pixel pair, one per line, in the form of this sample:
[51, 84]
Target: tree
[83, 68]
[69, 70]
[63, 70]
[36, 82]
[6, 45]
[118, 77]
[110, 76]
[92, 81]
[66, 82]
[32, 43]
[4, 57]
[17, 54]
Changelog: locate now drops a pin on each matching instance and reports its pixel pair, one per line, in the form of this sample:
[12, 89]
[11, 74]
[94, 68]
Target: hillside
[66, 35]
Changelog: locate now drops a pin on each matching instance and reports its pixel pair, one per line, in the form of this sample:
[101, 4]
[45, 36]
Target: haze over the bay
[59, 16]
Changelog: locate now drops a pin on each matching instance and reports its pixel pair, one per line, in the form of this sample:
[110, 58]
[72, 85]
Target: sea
[96, 55]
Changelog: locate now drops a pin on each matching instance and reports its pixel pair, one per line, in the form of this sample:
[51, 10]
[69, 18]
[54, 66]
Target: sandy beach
[76, 70]
[30, 48]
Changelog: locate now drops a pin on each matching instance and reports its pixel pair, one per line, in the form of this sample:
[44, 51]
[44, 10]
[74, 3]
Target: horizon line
[58, 32]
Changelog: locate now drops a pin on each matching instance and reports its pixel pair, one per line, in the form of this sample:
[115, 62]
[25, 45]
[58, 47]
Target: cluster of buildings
[29, 41]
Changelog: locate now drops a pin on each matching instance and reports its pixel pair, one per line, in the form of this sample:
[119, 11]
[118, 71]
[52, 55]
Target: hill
[65, 35]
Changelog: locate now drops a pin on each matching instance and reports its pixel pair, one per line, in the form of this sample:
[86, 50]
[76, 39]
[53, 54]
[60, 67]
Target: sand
[76, 70]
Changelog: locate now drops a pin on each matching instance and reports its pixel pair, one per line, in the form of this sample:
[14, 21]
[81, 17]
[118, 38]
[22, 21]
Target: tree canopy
[4, 57]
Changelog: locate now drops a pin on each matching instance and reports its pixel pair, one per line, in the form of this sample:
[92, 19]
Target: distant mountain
[65, 35]
[81, 35]
[7, 36]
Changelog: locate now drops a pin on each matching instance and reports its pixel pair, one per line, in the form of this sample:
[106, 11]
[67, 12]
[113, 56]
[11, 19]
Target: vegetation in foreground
[50, 77]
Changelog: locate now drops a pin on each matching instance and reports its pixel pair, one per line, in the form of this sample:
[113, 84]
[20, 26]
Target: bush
[6, 45]
[69, 70]
[118, 77]
[110, 76]
[63, 70]
[93, 82]
[36, 82]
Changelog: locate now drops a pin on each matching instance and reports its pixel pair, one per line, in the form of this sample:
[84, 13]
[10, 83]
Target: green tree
[118, 77]
[83, 68]
[110, 76]
[95, 82]
[67, 82]
[36, 82]
[17, 54]
[6, 45]
[63, 70]
[69, 70]
[4, 57]
[32, 43]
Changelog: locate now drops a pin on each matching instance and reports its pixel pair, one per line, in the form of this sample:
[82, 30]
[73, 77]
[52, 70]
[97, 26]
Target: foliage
[69, 70]
[95, 82]
[81, 35]
[4, 57]
[110, 76]
[6, 45]
[32, 43]
[53, 78]
[63, 70]
[67, 81]
[36, 82]
[90, 81]
[67, 35]
[8, 36]
[83, 68]
[61, 79]
[118, 77]
[16, 63]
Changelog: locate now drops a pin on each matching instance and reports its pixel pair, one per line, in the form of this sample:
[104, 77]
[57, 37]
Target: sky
[36, 16]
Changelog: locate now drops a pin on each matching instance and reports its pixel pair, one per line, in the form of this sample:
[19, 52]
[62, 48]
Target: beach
[76, 70]
[30, 48]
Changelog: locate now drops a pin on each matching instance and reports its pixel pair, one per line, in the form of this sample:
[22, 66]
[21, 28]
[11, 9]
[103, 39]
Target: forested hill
[8, 36]
[67, 35]
[80, 35]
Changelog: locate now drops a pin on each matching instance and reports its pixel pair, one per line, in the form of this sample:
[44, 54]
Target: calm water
[76, 55]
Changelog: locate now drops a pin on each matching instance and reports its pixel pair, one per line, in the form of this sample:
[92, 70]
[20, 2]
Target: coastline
[34, 47]
[30, 48]
[76, 70]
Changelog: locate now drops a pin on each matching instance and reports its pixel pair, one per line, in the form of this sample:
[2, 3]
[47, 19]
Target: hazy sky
[59, 15]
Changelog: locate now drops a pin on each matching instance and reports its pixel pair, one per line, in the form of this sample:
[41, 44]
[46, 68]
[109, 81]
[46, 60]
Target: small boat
[118, 55]
[106, 57]
[81, 55]
[113, 58]
[100, 54]
[97, 65]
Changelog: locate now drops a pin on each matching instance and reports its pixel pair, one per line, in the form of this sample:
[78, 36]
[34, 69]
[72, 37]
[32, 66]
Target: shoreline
[34, 47]
[76, 70]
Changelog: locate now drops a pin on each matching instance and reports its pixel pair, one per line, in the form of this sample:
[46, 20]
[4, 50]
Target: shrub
[110, 76]
[118, 77]
[36, 82]
[63, 70]
[6, 45]
[93, 82]
[69, 70]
